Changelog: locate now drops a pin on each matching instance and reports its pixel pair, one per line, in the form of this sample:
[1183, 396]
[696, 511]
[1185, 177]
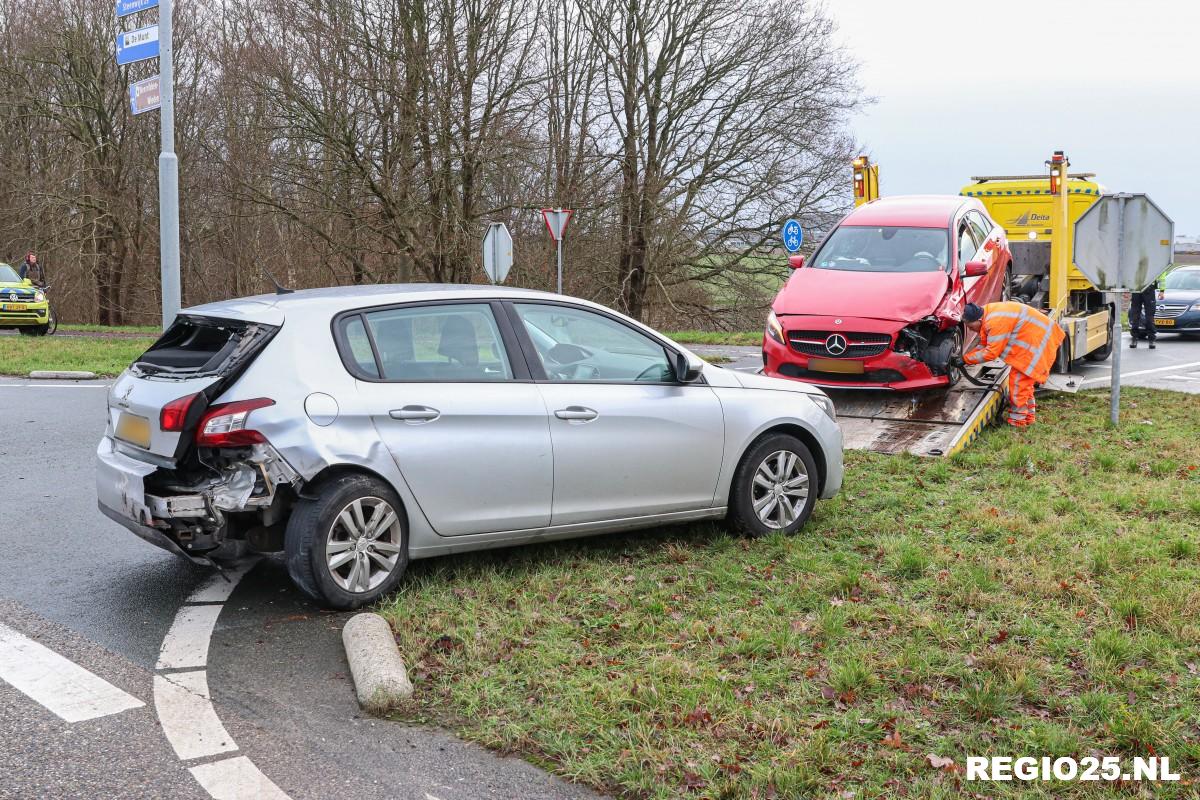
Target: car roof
[332, 300]
[918, 211]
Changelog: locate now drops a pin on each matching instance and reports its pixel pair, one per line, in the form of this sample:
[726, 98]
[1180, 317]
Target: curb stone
[380, 679]
[62, 374]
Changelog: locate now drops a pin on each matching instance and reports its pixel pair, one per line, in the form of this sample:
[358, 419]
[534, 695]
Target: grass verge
[749, 338]
[20, 355]
[148, 330]
[1036, 595]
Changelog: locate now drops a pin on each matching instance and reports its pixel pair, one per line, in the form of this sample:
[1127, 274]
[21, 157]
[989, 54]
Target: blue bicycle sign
[793, 235]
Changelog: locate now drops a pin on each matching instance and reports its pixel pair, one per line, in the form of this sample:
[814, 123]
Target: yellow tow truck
[1039, 212]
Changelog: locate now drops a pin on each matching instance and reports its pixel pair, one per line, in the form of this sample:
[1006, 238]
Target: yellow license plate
[134, 429]
[833, 365]
[1164, 322]
[12, 307]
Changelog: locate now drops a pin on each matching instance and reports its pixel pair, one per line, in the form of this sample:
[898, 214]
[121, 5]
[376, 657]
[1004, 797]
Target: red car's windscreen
[860, 248]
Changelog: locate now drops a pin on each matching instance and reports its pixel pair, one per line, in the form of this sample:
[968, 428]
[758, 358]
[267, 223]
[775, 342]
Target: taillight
[224, 425]
[174, 414]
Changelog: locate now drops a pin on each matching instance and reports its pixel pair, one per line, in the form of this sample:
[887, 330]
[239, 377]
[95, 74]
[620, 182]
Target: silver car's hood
[750, 380]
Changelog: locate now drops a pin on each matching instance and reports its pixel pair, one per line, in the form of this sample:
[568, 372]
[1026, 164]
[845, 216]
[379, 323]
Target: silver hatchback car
[357, 428]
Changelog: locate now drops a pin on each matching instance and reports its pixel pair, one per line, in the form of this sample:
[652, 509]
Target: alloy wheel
[363, 545]
[780, 489]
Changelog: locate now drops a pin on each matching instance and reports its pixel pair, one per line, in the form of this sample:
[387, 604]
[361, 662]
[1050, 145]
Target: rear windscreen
[203, 345]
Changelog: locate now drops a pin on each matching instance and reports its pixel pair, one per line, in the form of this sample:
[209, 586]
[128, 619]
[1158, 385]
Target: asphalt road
[97, 598]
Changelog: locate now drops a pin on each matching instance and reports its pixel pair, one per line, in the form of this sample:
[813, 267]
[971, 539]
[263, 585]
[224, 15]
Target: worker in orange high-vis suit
[1022, 337]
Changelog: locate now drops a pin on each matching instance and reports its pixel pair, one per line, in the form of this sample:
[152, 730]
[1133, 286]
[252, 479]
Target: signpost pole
[1115, 390]
[168, 172]
[559, 243]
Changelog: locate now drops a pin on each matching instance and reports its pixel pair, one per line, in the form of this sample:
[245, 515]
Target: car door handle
[415, 414]
[576, 414]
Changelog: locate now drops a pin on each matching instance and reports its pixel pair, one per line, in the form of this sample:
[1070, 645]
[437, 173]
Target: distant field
[153, 330]
[748, 338]
[20, 355]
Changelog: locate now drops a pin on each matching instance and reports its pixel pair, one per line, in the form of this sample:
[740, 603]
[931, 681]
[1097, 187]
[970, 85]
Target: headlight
[825, 404]
[39, 296]
[774, 329]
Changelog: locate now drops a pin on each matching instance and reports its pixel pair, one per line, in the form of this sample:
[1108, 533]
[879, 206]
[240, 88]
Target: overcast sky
[968, 89]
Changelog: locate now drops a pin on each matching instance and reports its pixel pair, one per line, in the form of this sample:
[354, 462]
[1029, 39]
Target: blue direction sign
[793, 236]
[127, 7]
[137, 45]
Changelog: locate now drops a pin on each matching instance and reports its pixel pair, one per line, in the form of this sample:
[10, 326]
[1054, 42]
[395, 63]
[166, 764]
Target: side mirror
[687, 368]
[975, 269]
[795, 261]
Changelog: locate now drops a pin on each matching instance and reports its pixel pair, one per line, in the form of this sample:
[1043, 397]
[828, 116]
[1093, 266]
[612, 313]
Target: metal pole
[1116, 362]
[559, 242]
[1115, 391]
[168, 172]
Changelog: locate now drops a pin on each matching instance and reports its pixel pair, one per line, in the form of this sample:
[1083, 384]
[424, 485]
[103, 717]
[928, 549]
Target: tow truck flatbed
[935, 423]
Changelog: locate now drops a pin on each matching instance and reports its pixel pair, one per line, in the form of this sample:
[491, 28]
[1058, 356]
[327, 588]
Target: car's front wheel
[348, 546]
[774, 487]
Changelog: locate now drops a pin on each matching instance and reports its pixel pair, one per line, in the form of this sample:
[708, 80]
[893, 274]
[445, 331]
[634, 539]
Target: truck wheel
[1103, 352]
[774, 487]
[348, 547]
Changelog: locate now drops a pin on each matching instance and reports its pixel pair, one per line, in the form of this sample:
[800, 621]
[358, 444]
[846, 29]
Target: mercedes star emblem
[835, 345]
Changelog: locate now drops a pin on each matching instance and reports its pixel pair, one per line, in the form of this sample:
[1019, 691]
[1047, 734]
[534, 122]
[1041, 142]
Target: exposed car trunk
[197, 357]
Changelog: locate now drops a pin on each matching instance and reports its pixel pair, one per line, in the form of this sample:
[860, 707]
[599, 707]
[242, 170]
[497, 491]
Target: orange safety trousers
[1022, 407]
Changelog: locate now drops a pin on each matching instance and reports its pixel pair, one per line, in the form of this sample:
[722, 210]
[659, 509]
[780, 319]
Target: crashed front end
[862, 353]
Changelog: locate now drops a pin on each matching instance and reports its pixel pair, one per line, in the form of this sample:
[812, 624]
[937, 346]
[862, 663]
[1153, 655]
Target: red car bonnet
[901, 296]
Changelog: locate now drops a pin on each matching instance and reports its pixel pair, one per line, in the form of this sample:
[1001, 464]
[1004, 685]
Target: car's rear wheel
[774, 487]
[348, 546]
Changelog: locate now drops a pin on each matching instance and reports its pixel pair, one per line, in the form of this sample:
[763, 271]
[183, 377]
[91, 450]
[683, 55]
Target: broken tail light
[224, 425]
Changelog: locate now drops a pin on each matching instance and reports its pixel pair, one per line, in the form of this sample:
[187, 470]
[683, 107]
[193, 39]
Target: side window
[979, 226]
[967, 245]
[355, 334]
[578, 345]
[438, 343]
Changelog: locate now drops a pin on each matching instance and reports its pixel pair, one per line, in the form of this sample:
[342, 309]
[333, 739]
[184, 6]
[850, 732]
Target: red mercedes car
[880, 303]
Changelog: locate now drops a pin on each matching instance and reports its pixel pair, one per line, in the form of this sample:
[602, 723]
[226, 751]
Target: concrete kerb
[380, 679]
[62, 375]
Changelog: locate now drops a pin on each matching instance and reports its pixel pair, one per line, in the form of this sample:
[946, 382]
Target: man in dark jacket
[1141, 314]
[31, 269]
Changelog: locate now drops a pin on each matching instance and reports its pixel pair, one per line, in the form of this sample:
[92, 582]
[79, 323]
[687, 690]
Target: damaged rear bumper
[190, 516]
[152, 535]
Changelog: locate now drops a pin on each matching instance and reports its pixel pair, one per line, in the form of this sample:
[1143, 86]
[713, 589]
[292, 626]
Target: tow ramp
[933, 423]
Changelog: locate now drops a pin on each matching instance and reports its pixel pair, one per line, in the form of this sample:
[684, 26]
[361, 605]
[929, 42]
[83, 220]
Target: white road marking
[187, 716]
[184, 705]
[59, 684]
[218, 587]
[1124, 375]
[236, 779]
[53, 386]
[186, 643]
